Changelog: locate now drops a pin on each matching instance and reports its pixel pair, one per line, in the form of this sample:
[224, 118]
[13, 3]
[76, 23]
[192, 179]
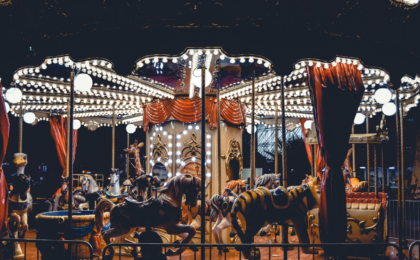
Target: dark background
[378, 32]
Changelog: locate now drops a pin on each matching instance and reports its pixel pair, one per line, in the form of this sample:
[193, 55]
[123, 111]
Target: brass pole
[402, 172]
[113, 137]
[276, 131]
[68, 140]
[313, 147]
[203, 157]
[400, 215]
[353, 146]
[252, 181]
[284, 231]
[219, 153]
[20, 125]
[70, 210]
[376, 170]
[383, 168]
[367, 155]
[128, 155]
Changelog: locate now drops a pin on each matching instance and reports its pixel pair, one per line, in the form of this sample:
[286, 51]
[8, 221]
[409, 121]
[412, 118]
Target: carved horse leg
[218, 228]
[215, 230]
[175, 229]
[116, 231]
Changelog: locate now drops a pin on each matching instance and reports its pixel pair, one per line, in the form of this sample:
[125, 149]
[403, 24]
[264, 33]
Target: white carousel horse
[85, 198]
[20, 203]
[221, 207]
[113, 190]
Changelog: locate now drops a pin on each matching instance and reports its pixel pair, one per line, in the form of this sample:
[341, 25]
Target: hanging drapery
[4, 139]
[336, 92]
[319, 160]
[189, 111]
[58, 126]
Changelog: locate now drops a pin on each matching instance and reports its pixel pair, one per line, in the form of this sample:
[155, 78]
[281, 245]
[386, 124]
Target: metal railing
[413, 251]
[52, 249]
[268, 251]
[412, 219]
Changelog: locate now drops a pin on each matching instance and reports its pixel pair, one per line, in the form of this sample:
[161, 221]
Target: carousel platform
[276, 253]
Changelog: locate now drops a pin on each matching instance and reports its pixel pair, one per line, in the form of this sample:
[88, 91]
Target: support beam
[252, 165]
[20, 125]
[376, 170]
[113, 137]
[219, 152]
[400, 214]
[128, 155]
[284, 230]
[68, 140]
[203, 158]
[70, 154]
[401, 111]
[353, 146]
[367, 156]
[313, 150]
[276, 133]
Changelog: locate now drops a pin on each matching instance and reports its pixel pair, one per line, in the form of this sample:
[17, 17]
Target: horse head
[85, 184]
[64, 183]
[236, 186]
[115, 177]
[216, 203]
[191, 187]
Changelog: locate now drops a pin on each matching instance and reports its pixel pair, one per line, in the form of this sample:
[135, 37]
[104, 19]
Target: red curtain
[319, 160]
[4, 139]
[336, 92]
[58, 126]
[189, 111]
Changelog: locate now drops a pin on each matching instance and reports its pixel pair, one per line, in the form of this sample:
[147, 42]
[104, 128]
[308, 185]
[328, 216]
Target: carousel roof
[46, 87]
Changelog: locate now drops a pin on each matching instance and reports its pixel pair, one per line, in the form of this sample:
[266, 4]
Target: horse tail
[99, 213]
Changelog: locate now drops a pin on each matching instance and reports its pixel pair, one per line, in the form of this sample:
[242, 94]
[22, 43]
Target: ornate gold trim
[192, 148]
[159, 149]
[234, 153]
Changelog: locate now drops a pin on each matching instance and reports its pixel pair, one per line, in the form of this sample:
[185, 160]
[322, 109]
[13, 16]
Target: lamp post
[130, 128]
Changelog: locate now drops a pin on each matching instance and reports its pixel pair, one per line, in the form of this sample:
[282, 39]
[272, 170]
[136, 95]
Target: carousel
[194, 108]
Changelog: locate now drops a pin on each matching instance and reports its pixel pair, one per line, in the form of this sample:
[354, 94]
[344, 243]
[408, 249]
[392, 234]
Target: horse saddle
[133, 202]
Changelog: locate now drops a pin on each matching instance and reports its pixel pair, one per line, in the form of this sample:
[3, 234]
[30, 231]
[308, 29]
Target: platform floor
[276, 253]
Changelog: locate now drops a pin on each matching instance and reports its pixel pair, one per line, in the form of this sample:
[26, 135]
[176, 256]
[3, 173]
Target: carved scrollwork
[234, 153]
[192, 148]
[159, 149]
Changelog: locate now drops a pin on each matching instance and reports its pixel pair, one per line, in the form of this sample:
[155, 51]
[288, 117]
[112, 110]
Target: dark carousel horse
[163, 212]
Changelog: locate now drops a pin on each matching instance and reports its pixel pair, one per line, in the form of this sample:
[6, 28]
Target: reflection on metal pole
[376, 170]
[128, 155]
[401, 111]
[70, 154]
[353, 146]
[313, 150]
[203, 161]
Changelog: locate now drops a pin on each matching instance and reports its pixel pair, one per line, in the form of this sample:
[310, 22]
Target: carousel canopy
[155, 78]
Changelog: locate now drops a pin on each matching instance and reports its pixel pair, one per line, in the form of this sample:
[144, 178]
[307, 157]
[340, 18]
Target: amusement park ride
[197, 150]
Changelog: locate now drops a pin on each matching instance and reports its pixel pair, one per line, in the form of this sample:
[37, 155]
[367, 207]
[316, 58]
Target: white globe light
[83, 82]
[359, 119]
[130, 128]
[389, 109]
[13, 95]
[7, 107]
[76, 124]
[196, 77]
[29, 117]
[249, 128]
[308, 124]
[383, 95]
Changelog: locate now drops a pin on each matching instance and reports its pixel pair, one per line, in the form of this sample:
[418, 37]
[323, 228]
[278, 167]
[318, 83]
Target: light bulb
[130, 128]
[76, 124]
[389, 109]
[308, 124]
[29, 117]
[383, 95]
[197, 78]
[83, 82]
[359, 119]
[13, 95]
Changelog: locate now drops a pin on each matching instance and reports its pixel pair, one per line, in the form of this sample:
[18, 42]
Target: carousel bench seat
[366, 215]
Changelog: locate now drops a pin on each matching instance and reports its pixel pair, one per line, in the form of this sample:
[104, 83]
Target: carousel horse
[113, 190]
[221, 205]
[192, 215]
[135, 149]
[270, 181]
[261, 205]
[163, 212]
[61, 197]
[20, 202]
[142, 187]
[88, 194]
